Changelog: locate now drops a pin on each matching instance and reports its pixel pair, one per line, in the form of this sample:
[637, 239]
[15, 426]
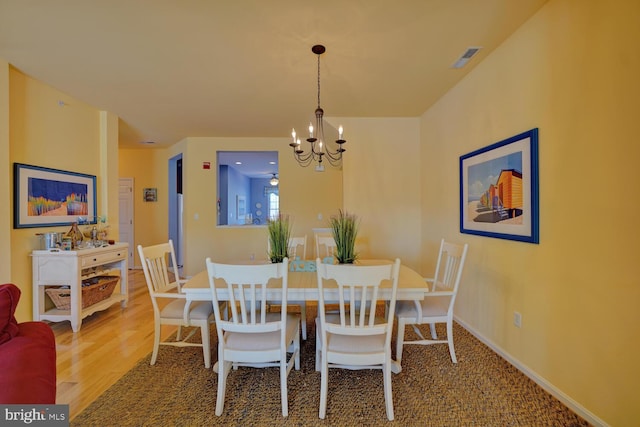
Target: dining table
[302, 285]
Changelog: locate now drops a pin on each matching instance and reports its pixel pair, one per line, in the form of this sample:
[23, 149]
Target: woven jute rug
[482, 389]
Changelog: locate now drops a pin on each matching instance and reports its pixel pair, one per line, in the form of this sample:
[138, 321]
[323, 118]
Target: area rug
[482, 389]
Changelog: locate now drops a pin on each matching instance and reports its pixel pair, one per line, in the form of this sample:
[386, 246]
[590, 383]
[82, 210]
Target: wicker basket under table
[94, 290]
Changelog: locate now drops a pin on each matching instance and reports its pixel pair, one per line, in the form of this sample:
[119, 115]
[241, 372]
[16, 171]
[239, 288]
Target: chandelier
[318, 149]
[274, 180]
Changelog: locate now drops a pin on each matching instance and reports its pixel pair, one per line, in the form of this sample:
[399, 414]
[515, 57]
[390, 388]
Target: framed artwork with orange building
[499, 189]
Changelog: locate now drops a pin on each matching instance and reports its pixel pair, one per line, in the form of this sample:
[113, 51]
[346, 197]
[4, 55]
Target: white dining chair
[437, 305]
[325, 246]
[355, 337]
[298, 248]
[165, 287]
[251, 336]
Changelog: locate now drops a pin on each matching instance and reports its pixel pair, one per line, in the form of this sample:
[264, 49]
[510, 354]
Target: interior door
[125, 212]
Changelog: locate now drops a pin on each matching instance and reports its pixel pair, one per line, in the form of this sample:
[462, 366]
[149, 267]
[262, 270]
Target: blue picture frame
[499, 193]
[45, 197]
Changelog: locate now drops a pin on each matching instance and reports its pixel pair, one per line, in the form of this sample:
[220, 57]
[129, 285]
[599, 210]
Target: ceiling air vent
[465, 57]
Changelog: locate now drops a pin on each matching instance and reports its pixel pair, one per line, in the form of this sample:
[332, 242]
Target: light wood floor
[108, 345]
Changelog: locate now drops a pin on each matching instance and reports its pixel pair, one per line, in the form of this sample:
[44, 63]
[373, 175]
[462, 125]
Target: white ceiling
[173, 69]
[254, 164]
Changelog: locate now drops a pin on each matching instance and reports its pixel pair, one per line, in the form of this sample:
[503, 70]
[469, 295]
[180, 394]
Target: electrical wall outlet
[517, 319]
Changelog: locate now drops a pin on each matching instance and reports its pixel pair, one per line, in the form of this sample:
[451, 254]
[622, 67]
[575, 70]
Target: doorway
[176, 208]
[125, 216]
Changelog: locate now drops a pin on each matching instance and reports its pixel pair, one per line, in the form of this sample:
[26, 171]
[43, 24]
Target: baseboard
[550, 388]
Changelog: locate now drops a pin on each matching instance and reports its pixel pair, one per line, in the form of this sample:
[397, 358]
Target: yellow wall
[304, 194]
[108, 145]
[149, 169]
[5, 184]
[381, 180]
[50, 129]
[572, 71]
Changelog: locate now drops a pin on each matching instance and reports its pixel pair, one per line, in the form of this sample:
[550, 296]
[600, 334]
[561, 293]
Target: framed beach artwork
[499, 189]
[44, 197]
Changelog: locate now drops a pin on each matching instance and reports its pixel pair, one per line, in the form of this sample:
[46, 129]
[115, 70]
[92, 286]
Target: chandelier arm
[335, 164]
[334, 154]
[335, 159]
[306, 162]
[303, 159]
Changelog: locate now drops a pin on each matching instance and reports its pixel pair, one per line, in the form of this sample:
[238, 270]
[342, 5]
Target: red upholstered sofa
[27, 355]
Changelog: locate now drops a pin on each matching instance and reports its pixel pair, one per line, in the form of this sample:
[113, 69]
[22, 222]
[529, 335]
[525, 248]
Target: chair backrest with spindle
[246, 287]
[325, 246]
[156, 269]
[298, 247]
[449, 267]
[356, 290]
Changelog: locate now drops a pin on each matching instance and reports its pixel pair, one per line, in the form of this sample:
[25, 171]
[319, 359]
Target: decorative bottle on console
[76, 235]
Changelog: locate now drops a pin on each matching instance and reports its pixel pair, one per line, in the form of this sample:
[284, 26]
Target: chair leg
[388, 394]
[324, 385]
[156, 343]
[296, 349]
[283, 388]
[432, 327]
[223, 370]
[179, 334]
[206, 345]
[303, 319]
[452, 350]
[318, 346]
[400, 341]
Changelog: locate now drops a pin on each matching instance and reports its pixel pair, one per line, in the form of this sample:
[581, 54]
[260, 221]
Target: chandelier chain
[318, 81]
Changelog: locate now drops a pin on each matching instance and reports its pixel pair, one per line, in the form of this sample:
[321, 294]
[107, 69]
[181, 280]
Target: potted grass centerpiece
[279, 233]
[344, 228]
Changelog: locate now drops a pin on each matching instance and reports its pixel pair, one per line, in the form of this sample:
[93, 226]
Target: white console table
[55, 267]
